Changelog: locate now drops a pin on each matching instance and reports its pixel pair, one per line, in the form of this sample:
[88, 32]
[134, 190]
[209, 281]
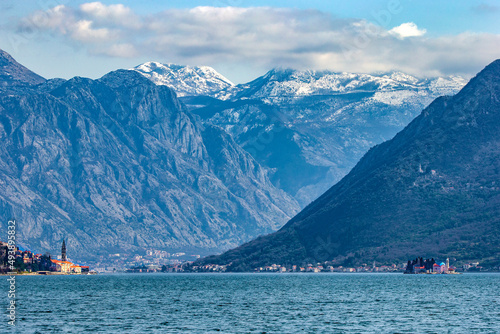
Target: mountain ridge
[13, 73]
[286, 83]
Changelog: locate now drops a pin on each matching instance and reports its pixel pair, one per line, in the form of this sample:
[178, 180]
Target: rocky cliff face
[431, 191]
[118, 165]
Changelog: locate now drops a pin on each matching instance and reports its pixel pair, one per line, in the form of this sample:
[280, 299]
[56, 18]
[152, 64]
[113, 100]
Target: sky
[244, 39]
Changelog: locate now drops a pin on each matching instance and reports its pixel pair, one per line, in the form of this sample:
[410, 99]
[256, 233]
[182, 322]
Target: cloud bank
[264, 38]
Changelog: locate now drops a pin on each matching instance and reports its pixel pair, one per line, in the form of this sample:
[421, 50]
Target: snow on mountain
[308, 127]
[280, 85]
[311, 127]
[185, 80]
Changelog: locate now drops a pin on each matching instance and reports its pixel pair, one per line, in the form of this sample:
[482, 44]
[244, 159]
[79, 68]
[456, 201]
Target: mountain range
[311, 127]
[432, 191]
[121, 164]
[118, 165]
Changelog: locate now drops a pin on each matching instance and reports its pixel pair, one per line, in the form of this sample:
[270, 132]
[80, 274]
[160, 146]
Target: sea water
[256, 303]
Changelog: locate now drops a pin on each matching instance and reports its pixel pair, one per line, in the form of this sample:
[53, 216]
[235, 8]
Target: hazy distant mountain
[311, 127]
[185, 80]
[118, 165]
[433, 190]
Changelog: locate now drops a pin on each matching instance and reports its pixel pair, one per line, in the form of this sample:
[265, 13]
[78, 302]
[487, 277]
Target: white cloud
[408, 29]
[82, 31]
[54, 18]
[112, 14]
[97, 9]
[67, 22]
[260, 38]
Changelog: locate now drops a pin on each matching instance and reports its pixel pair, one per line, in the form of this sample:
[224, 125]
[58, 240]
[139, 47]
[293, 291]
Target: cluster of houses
[417, 266]
[166, 268]
[68, 267]
[25, 257]
[64, 266]
[23, 260]
[429, 266]
[309, 268]
[28, 261]
[318, 268]
[153, 259]
[207, 268]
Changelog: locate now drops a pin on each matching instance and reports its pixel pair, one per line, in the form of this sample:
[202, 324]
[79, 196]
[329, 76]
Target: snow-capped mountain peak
[284, 84]
[186, 80]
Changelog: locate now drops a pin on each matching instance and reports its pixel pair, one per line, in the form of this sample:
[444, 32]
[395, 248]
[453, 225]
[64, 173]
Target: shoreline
[46, 274]
[241, 273]
[246, 273]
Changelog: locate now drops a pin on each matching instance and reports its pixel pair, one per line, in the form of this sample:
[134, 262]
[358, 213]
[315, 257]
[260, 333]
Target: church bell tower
[63, 251]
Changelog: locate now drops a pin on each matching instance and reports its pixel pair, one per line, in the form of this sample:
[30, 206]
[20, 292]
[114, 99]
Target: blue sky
[424, 38]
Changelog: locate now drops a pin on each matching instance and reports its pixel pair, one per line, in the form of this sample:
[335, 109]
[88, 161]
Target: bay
[257, 303]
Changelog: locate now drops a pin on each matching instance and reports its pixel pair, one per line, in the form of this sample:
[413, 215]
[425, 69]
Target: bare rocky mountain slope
[118, 165]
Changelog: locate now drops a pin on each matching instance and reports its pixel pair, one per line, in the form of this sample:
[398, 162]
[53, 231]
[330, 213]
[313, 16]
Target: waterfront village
[309, 268]
[15, 260]
[430, 266]
[150, 261]
[443, 268]
[153, 261]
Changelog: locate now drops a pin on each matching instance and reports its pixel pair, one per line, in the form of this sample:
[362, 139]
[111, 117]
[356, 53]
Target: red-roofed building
[76, 269]
[62, 266]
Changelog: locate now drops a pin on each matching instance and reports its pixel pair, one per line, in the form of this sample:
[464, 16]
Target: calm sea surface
[257, 303]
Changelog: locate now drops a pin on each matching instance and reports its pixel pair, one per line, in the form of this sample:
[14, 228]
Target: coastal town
[309, 268]
[329, 267]
[153, 260]
[15, 260]
[326, 267]
[157, 261]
